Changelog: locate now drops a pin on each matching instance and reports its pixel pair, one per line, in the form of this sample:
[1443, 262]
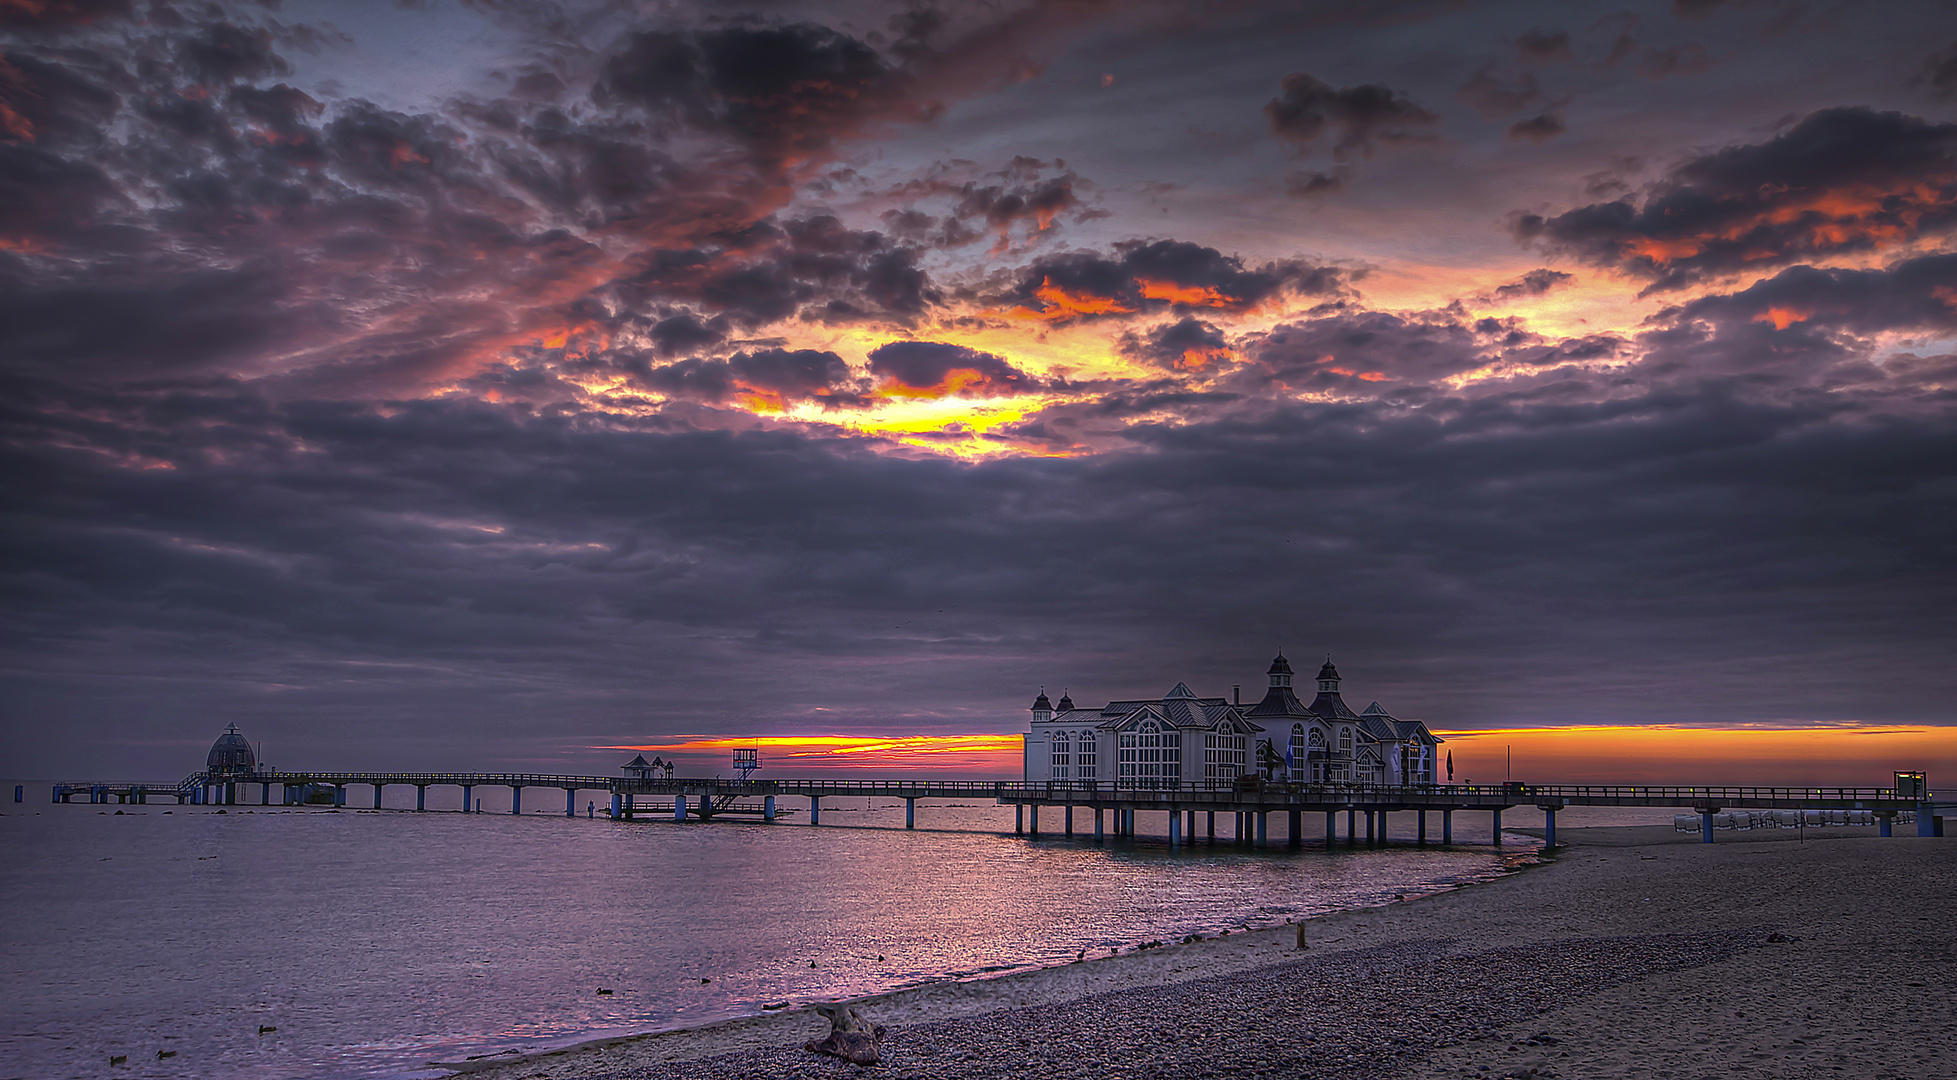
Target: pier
[1248, 802]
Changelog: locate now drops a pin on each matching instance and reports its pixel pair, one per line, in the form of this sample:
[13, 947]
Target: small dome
[1280, 666]
[1042, 703]
[231, 755]
[1328, 671]
[1066, 702]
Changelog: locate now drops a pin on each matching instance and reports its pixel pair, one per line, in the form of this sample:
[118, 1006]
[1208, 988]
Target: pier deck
[1251, 799]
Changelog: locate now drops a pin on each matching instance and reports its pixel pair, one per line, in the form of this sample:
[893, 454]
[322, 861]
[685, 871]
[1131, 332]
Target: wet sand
[1631, 952]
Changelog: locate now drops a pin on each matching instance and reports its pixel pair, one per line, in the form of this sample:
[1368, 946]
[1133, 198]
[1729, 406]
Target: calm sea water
[376, 942]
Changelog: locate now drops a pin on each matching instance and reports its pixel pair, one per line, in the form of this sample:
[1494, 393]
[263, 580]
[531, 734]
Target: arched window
[1084, 760]
[1061, 758]
[1223, 754]
[1345, 740]
[1150, 755]
[1300, 758]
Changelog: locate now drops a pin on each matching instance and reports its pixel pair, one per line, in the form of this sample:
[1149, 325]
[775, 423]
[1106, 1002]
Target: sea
[253, 941]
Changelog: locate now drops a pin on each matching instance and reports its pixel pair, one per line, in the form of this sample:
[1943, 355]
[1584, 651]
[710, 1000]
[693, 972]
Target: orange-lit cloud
[1783, 317]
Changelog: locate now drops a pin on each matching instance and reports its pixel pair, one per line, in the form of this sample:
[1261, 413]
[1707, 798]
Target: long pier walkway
[1249, 799]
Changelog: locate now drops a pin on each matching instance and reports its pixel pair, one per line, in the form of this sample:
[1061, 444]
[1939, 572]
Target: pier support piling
[1019, 819]
[1447, 828]
[910, 814]
[618, 808]
[1293, 827]
[1098, 835]
[1331, 830]
[1175, 826]
[1068, 818]
[1549, 827]
[679, 808]
[768, 808]
[516, 799]
[1420, 830]
[1496, 828]
[468, 791]
[815, 810]
[1189, 832]
[1033, 820]
[570, 802]
[377, 795]
[1212, 826]
[1352, 828]
[1369, 828]
[1263, 827]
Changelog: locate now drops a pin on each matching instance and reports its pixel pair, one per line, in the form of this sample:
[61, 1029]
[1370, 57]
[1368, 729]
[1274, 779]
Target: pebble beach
[1624, 952]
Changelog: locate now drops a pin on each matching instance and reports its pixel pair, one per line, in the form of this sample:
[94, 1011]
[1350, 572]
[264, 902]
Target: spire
[1280, 671]
[1042, 708]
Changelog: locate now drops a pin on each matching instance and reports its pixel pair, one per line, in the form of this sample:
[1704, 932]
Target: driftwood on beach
[851, 1036]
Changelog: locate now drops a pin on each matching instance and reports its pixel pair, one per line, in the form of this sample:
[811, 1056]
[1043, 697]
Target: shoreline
[1615, 963]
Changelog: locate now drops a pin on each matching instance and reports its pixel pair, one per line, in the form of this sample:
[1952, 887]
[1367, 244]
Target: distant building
[231, 756]
[1181, 737]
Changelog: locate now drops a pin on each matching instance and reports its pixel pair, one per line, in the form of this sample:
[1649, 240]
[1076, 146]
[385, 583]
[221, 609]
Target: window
[1149, 755]
[1084, 761]
[1061, 756]
[1300, 759]
[1345, 740]
[1223, 755]
[1317, 739]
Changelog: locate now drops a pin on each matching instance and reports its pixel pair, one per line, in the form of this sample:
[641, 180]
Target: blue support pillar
[339, 794]
[1263, 825]
[264, 794]
[910, 813]
[1331, 829]
[1447, 828]
[1496, 828]
[1884, 825]
[631, 804]
[679, 807]
[516, 799]
[1705, 826]
[1018, 818]
[1175, 826]
[1420, 831]
[1548, 827]
[468, 792]
[1352, 828]
[1293, 828]
[570, 802]
[1369, 828]
[1097, 824]
[1926, 819]
[768, 808]
[1211, 830]
[377, 795]
[1033, 820]
[618, 806]
[815, 810]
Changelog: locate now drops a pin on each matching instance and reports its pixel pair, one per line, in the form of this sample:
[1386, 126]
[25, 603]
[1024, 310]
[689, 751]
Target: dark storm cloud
[1312, 183]
[1494, 95]
[765, 378]
[1364, 115]
[786, 91]
[1188, 344]
[1915, 294]
[58, 14]
[222, 53]
[1544, 46]
[940, 369]
[1534, 283]
[1538, 129]
[1841, 181]
[1152, 275]
[1940, 74]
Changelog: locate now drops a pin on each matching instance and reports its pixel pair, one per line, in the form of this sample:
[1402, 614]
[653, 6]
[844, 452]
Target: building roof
[1066, 702]
[1280, 666]
[638, 762]
[231, 753]
[1280, 701]
[1041, 703]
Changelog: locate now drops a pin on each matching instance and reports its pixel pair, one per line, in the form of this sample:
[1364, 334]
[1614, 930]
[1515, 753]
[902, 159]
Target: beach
[1625, 952]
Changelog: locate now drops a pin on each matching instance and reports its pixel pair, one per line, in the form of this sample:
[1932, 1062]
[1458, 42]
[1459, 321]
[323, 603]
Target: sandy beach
[1627, 952]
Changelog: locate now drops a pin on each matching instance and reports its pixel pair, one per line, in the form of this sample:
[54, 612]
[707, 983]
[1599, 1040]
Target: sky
[456, 385]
